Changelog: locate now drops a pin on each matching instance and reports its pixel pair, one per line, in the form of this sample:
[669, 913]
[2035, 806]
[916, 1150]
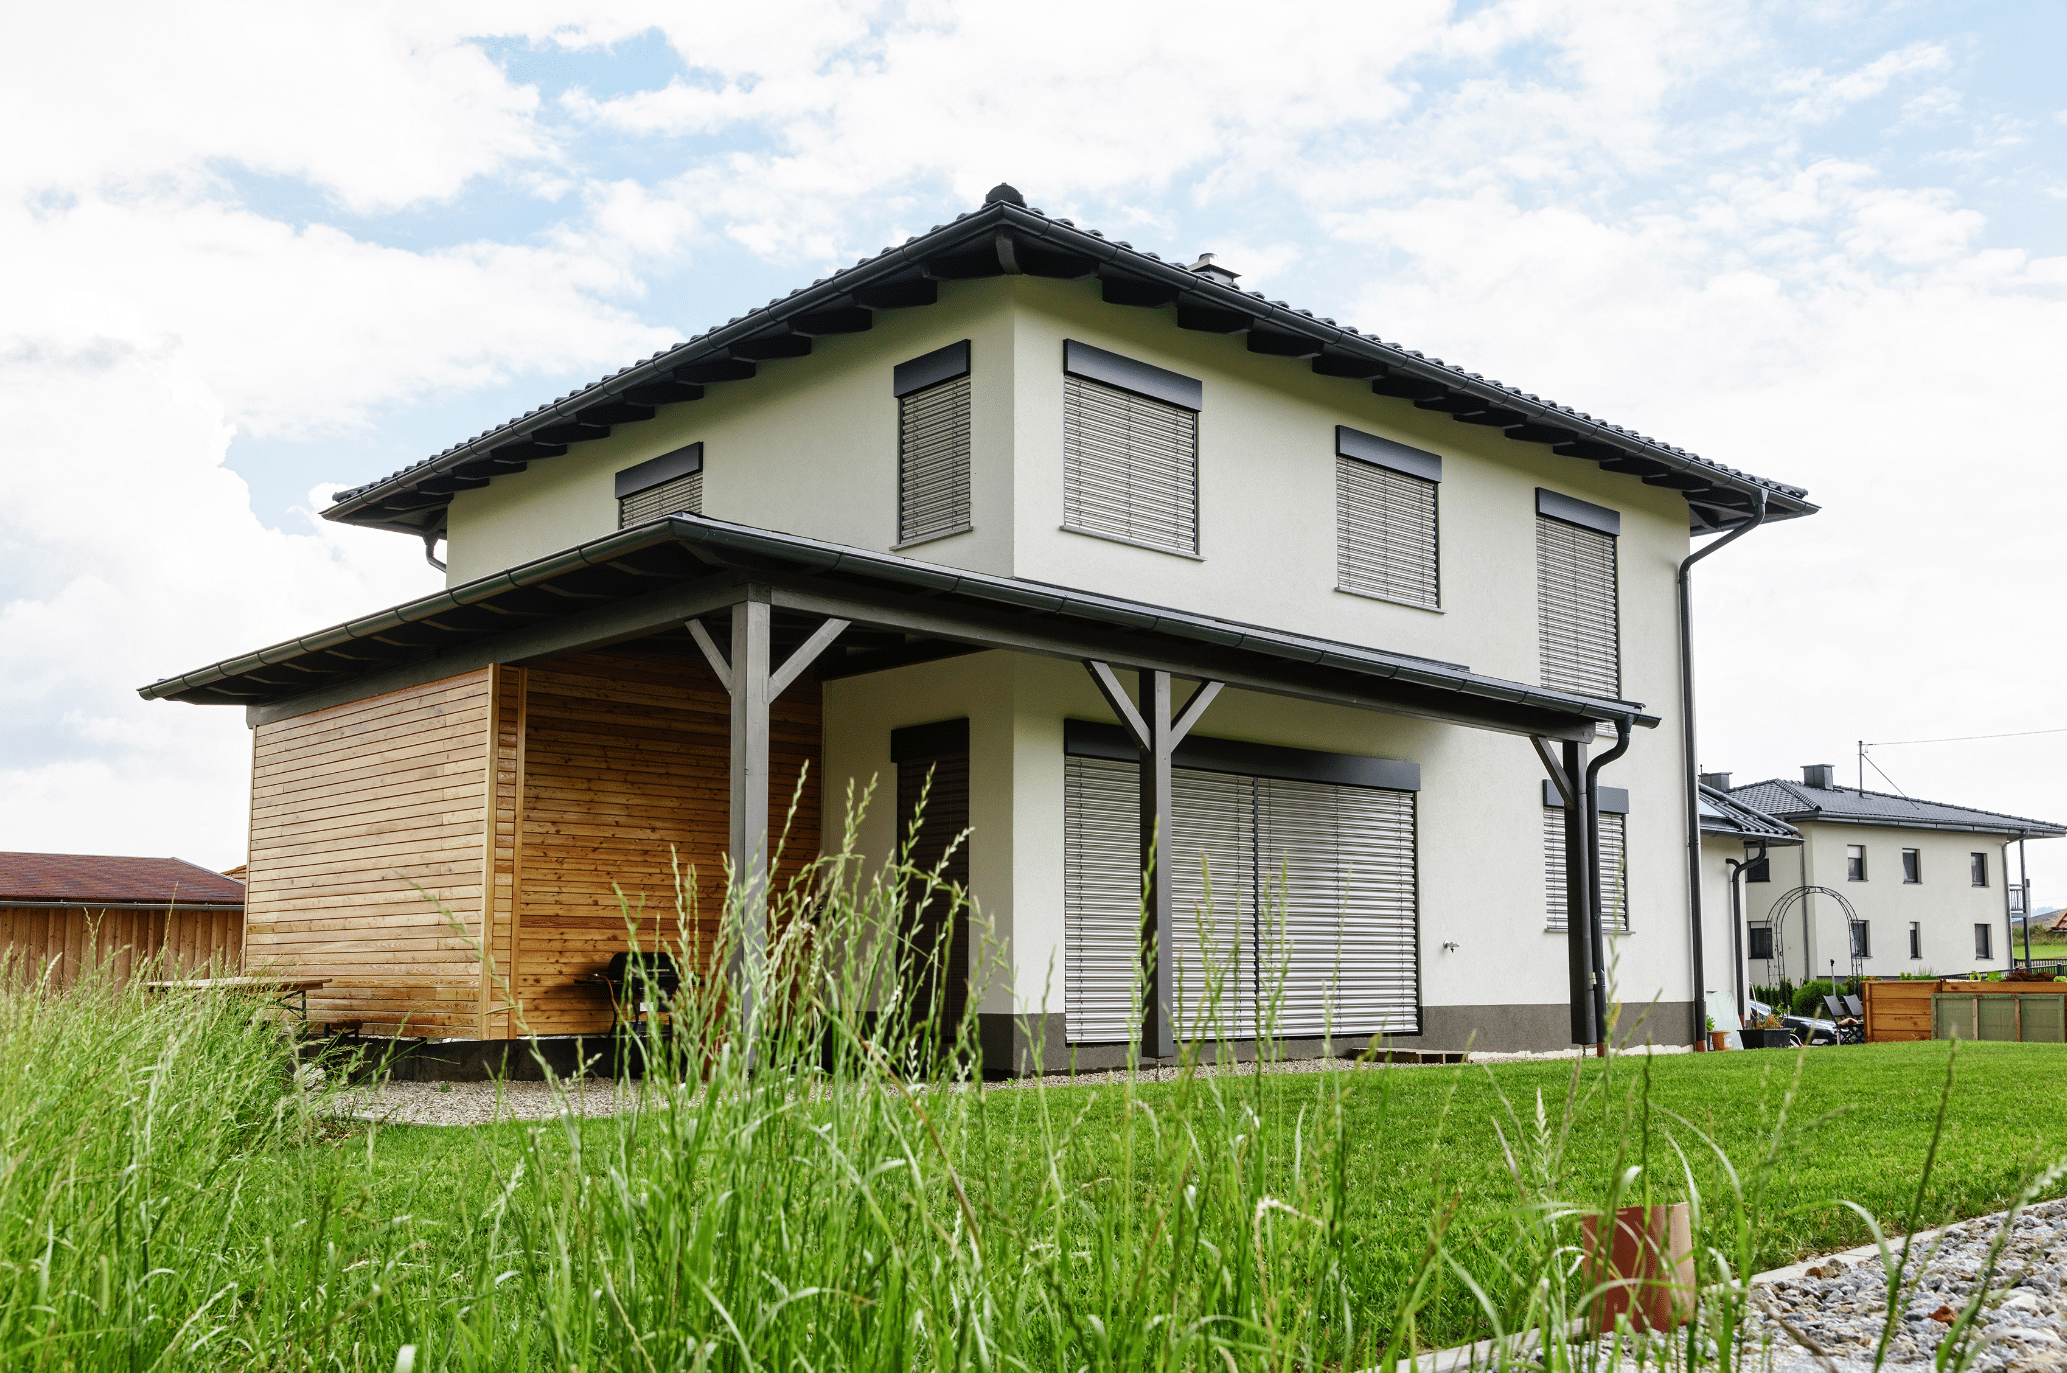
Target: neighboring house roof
[1724, 815]
[1008, 237]
[1798, 803]
[643, 582]
[2058, 922]
[90, 878]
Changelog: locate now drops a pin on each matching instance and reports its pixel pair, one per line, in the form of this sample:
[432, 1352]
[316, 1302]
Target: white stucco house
[1091, 538]
[1871, 883]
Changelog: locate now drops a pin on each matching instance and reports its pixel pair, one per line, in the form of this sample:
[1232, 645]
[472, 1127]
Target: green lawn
[1858, 1129]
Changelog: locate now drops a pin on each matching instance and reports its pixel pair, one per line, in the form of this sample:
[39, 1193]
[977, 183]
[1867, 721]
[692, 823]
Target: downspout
[1693, 781]
[1737, 958]
[1593, 906]
[430, 546]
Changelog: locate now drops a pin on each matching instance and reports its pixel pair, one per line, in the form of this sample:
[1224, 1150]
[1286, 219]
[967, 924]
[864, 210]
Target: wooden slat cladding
[1577, 622]
[1385, 534]
[625, 766]
[669, 497]
[364, 819]
[55, 943]
[1130, 466]
[933, 461]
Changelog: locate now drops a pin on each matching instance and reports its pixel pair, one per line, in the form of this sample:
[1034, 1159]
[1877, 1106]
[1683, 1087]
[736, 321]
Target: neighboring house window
[1916, 939]
[1862, 939]
[1855, 862]
[1912, 865]
[1984, 941]
[669, 484]
[1130, 450]
[1977, 863]
[933, 444]
[1759, 870]
[1761, 942]
[1385, 519]
[1614, 861]
[1311, 918]
[1578, 633]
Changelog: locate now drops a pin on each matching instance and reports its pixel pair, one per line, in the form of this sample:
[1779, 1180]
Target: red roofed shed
[67, 909]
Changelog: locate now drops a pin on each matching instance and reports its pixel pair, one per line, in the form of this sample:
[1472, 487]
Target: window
[1312, 901]
[1862, 939]
[1984, 941]
[1130, 450]
[933, 444]
[1759, 870]
[1915, 939]
[1977, 864]
[1578, 637]
[1855, 862]
[667, 485]
[1614, 862]
[1385, 523]
[1912, 865]
[1761, 942]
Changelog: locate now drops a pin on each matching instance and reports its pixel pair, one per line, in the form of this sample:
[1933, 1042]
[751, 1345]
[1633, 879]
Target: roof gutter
[1688, 745]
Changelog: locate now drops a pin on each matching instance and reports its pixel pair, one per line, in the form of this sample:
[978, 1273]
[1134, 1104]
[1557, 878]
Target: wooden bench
[288, 993]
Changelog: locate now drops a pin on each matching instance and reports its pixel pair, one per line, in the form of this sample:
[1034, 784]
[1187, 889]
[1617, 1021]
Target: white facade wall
[809, 447]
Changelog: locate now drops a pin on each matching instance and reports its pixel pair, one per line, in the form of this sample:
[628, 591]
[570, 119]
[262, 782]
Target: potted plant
[1718, 1040]
[1767, 1033]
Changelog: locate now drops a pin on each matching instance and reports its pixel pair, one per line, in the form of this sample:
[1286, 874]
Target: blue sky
[275, 251]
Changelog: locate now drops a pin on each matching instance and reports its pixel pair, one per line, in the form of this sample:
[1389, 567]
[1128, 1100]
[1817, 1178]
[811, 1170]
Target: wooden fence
[183, 942]
[1953, 1008]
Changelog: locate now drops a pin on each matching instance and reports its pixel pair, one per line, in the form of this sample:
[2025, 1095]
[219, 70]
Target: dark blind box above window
[662, 486]
[1577, 609]
[1130, 450]
[1385, 519]
[933, 444]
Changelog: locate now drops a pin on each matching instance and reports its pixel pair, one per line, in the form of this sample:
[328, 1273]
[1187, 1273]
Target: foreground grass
[1861, 1118]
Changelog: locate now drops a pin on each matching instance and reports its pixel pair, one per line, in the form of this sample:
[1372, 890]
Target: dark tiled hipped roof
[1848, 805]
[1722, 814]
[88, 877]
[1008, 237]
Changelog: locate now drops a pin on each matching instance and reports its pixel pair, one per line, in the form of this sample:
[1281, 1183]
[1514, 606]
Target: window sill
[934, 537]
[1131, 543]
[1391, 600]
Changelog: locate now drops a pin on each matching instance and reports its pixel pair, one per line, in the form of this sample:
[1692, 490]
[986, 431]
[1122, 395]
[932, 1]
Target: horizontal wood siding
[625, 766]
[365, 818]
[55, 943]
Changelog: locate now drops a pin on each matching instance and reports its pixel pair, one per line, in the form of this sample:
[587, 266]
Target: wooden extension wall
[537, 805]
[365, 819]
[625, 767]
[180, 943]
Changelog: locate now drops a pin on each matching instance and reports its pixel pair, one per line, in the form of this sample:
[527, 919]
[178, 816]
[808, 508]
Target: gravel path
[1838, 1303]
[483, 1103]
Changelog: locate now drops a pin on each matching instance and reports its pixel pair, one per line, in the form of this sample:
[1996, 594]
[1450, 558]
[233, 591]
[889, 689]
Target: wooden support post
[1157, 732]
[753, 681]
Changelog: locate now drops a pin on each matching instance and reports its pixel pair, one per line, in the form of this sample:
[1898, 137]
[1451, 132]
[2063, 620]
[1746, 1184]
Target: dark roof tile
[88, 877]
[1848, 805]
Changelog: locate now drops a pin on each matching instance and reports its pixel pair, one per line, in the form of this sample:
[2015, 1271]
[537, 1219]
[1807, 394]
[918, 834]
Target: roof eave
[1782, 502]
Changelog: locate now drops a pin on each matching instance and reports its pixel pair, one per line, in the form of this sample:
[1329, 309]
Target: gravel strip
[1839, 1302]
[483, 1103]
[1108, 1076]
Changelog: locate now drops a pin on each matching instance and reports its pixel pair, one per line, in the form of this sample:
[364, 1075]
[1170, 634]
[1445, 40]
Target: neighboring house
[935, 487]
[1737, 844]
[59, 911]
[1927, 883]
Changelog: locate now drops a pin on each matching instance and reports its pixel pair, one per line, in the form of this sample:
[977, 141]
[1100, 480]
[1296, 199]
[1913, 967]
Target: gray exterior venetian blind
[933, 444]
[1385, 519]
[665, 485]
[1130, 458]
[1577, 614]
[1614, 869]
[1298, 897]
